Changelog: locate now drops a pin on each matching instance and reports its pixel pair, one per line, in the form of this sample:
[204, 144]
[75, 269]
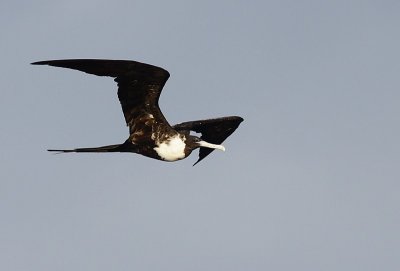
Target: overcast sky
[309, 181]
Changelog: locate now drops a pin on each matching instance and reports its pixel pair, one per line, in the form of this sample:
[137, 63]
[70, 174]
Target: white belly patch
[171, 150]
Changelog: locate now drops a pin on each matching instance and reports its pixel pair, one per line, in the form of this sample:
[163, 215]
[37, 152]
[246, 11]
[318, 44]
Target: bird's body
[150, 134]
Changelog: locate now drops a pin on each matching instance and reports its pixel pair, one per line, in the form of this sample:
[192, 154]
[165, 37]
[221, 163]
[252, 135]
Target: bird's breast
[172, 149]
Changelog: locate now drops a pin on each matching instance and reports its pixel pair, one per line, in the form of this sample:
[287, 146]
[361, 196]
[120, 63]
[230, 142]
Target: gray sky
[310, 180]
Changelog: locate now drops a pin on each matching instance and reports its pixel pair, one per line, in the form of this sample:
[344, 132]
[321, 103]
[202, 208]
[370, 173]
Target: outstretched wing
[212, 130]
[139, 84]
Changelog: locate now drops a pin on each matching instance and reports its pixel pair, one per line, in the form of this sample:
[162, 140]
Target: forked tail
[109, 148]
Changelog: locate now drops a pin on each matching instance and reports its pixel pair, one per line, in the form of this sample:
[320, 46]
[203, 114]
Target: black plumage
[139, 89]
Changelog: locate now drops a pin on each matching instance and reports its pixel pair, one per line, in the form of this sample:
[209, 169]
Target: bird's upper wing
[212, 130]
[139, 84]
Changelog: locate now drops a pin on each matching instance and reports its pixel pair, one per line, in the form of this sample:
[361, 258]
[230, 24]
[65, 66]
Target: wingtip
[240, 119]
[196, 163]
[59, 151]
[200, 159]
[39, 63]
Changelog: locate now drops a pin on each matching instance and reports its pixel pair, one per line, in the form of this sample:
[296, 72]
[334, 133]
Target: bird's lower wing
[212, 130]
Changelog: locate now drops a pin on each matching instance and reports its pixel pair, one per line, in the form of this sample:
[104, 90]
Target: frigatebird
[150, 134]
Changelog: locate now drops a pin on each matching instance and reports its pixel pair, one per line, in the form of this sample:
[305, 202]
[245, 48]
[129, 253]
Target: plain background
[309, 181]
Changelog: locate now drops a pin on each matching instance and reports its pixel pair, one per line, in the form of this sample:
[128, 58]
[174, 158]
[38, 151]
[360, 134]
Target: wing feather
[139, 84]
[212, 130]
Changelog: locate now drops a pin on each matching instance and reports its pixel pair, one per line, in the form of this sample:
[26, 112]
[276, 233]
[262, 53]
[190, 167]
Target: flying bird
[150, 134]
